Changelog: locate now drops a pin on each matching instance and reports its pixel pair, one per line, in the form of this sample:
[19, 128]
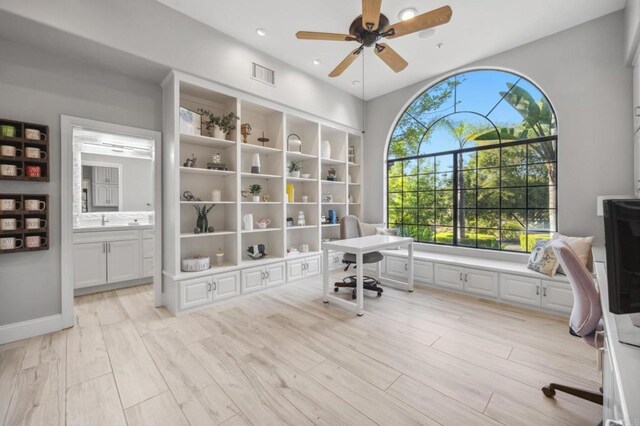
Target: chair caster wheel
[548, 392]
[379, 294]
[335, 289]
[325, 301]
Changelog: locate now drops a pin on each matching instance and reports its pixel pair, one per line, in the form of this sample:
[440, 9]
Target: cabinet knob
[544, 291]
[460, 276]
[209, 287]
[466, 277]
[537, 290]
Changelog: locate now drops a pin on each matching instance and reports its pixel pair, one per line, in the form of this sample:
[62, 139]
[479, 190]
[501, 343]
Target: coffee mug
[10, 224]
[7, 204]
[10, 151]
[34, 205]
[10, 170]
[8, 131]
[35, 223]
[10, 243]
[33, 171]
[304, 248]
[35, 241]
[35, 134]
[32, 152]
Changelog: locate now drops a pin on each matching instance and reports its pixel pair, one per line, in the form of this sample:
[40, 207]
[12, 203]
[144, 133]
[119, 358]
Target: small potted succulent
[255, 191]
[294, 169]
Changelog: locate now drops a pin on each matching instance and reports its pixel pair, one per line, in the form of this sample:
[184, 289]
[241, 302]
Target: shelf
[246, 147]
[206, 202]
[300, 254]
[333, 204]
[331, 161]
[205, 141]
[214, 269]
[354, 184]
[206, 234]
[301, 179]
[353, 164]
[260, 176]
[198, 170]
[330, 225]
[257, 262]
[332, 182]
[261, 202]
[354, 204]
[247, 231]
[291, 228]
[300, 203]
[300, 155]
[25, 231]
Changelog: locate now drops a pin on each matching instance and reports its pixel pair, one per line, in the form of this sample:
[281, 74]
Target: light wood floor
[283, 357]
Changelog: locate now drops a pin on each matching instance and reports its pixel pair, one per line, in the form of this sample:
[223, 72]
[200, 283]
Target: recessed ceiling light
[406, 14]
[261, 32]
[317, 62]
[440, 45]
[427, 33]
[356, 82]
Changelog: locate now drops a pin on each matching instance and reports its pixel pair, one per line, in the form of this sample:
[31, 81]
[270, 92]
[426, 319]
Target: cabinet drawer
[520, 289]
[101, 236]
[481, 282]
[448, 276]
[148, 248]
[147, 267]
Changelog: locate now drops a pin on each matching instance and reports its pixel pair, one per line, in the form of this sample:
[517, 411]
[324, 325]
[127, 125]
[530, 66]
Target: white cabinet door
[275, 274]
[195, 292]
[313, 266]
[114, 196]
[112, 173]
[101, 195]
[100, 174]
[89, 264]
[147, 267]
[148, 248]
[557, 296]
[448, 276]
[520, 289]
[252, 279]
[396, 267]
[123, 260]
[423, 271]
[481, 282]
[226, 285]
[295, 269]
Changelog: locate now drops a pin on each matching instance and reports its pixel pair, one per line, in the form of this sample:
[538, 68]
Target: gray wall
[36, 86]
[583, 72]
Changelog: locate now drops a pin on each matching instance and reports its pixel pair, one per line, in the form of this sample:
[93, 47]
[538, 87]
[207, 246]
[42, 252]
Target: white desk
[359, 247]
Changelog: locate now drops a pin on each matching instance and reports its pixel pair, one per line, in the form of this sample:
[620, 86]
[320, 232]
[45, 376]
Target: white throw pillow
[542, 258]
[581, 246]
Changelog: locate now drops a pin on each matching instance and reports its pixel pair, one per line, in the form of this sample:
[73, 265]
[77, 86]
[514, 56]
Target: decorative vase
[326, 149]
[295, 174]
[255, 198]
[218, 133]
[255, 163]
[202, 223]
[290, 193]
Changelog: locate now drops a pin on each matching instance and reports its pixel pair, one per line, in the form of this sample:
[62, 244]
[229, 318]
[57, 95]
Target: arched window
[472, 162]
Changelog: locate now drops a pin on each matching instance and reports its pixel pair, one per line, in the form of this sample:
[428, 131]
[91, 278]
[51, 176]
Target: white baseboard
[25, 329]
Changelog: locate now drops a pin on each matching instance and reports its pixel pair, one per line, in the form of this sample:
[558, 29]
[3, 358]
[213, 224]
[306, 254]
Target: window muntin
[472, 162]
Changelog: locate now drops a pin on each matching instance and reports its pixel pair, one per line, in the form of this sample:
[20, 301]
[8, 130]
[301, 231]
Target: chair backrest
[350, 227]
[586, 311]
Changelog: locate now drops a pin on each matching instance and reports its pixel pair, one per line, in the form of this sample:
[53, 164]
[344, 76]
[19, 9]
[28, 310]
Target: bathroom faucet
[104, 219]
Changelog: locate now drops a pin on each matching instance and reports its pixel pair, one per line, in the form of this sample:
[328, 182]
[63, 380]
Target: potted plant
[294, 168]
[255, 191]
[218, 126]
[227, 123]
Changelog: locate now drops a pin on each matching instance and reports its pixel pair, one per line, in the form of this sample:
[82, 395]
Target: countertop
[99, 228]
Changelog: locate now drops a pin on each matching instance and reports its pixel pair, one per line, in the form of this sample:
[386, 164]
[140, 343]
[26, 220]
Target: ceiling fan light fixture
[261, 32]
[408, 13]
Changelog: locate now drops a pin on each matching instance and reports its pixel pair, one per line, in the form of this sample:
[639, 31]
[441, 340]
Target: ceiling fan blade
[371, 13]
[346, 62]
[311, 35]
[390, 57]
[421, 22]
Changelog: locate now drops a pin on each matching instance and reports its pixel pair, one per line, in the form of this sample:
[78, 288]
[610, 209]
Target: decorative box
[196, 264]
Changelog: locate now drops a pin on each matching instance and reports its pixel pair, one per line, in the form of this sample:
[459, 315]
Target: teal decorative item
[202, 223]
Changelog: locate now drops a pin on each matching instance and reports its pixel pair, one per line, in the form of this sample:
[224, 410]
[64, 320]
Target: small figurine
[257, 251]
[188, 196]
[263, 140]
[331, 174]
[245, 130]
[190, 162]
[265, 198]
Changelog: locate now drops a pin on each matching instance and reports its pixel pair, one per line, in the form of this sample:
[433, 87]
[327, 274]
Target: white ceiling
[478, 29]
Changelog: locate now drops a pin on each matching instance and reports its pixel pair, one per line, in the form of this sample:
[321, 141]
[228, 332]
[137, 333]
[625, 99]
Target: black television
[622, 242]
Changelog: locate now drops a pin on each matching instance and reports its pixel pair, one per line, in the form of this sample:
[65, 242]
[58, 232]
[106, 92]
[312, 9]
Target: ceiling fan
[368, 28]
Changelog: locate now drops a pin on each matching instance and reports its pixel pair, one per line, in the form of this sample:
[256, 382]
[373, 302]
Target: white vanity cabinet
[554, 295]
[477, 281]
[257, 278]
[303, 268]
[106, 257]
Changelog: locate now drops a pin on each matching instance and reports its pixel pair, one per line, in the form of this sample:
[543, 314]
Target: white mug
[305, 198]
[35, 223]
[304, 248]
[10, 243]
[10, 224]
[35, 241]
[35, 134]
[34, 205]
[10, 170]
[7, 204]
[10, 151]
[31, 152]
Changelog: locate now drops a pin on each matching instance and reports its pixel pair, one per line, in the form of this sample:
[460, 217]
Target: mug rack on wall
[24, 151]
[25, 207]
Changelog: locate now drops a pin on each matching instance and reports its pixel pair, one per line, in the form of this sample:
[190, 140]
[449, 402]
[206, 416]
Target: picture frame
[190, 122]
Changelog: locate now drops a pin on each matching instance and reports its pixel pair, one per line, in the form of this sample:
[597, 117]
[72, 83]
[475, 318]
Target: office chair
[350, 227]
[586, 316]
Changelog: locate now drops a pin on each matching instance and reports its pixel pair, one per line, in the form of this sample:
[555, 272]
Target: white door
[520, 289]
[313, 266]
[275, 274]
[89, 264]
[423, 271]
[226, 285]
[195, 292]
[123, 260]
[114, 195]
[557, 296]
[397, 267]
[252, 279]
[294, 269]
[481, 282]
[101, 195]
[448, 276]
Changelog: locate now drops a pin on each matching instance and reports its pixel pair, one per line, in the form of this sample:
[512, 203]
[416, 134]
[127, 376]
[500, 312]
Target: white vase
[255, 198]
[218, 133]
[255, 163]
[295, 174]
[326, 149]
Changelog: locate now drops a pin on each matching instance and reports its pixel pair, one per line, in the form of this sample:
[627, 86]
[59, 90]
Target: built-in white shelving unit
[238, 273]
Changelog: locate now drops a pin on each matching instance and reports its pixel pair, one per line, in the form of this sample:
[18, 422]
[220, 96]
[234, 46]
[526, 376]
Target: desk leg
[325, 274]
[359, 284]
[410, 269]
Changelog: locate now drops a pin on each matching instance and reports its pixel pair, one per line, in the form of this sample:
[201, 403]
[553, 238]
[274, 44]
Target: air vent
[263, 74]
